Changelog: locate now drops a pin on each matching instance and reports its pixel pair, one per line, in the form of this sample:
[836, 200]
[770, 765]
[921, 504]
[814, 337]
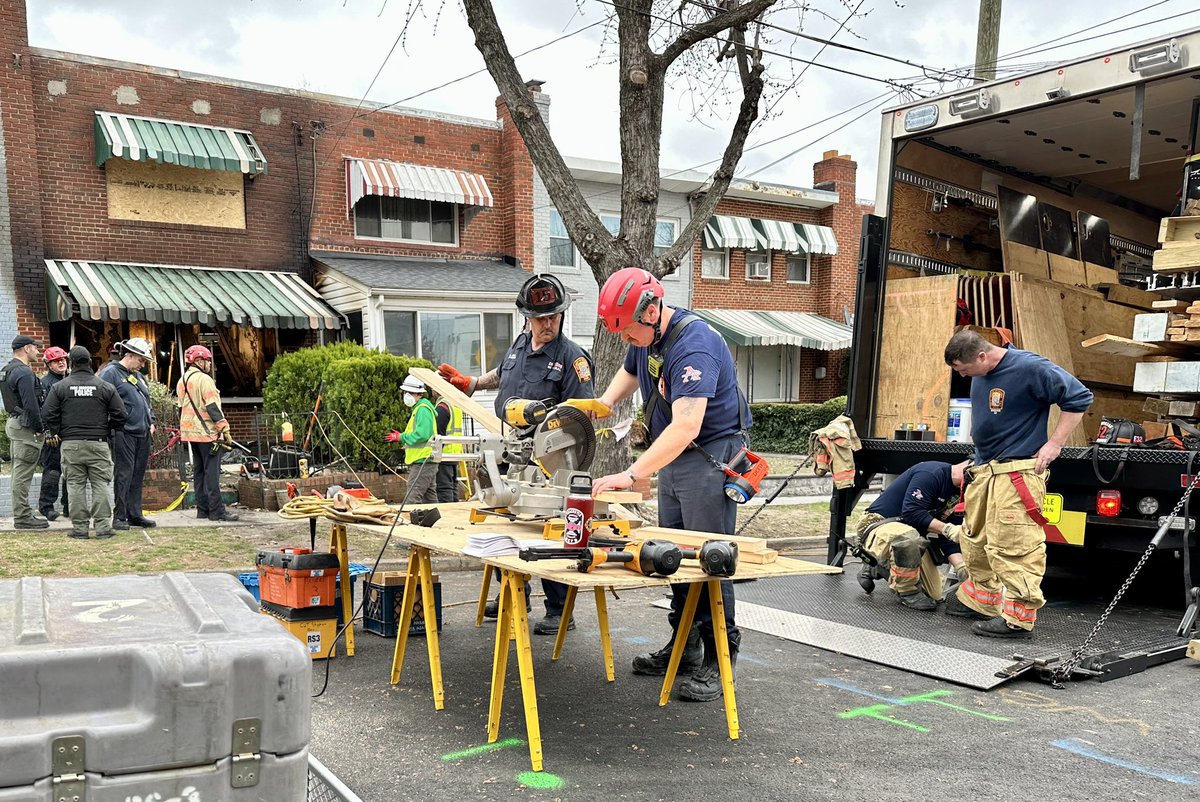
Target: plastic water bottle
[578, 513]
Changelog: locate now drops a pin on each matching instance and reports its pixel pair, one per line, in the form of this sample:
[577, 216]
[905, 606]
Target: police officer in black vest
[83, 411]
[544, 365]
[19, 388]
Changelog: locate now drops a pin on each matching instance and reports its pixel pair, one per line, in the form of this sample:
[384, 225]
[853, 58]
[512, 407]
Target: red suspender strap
[1031, 507]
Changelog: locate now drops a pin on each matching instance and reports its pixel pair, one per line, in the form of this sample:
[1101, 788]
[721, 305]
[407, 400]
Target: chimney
[837, 172]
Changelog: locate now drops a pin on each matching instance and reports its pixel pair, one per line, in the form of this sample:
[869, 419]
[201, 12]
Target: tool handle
[531, 555]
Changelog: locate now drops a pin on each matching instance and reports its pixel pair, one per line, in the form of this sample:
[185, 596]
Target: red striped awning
[399, 180]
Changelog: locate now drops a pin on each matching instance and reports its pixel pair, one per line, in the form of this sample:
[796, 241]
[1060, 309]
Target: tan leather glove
[227, 436]
[952, 532]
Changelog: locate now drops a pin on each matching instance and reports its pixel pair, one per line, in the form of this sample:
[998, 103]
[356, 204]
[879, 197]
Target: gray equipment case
[167, 688]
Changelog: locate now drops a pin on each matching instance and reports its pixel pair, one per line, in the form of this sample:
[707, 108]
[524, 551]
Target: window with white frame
[797, 264]
[474, 342]
[562, 250]
[406, 219]
[714, 264]
[664, 232]
[758, 265]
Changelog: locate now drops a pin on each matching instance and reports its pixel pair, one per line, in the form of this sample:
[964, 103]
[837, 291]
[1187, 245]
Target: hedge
[360, 385]
[784, 428]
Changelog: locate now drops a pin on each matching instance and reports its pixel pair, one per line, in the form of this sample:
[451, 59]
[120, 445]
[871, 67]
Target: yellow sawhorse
[337, 546]
[514, 620]
[717, 606]
[420, 575]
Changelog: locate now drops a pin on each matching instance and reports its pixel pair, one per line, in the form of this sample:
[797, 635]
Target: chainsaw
[526, 471]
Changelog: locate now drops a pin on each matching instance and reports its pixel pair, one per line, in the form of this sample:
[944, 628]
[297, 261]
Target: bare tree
[722, 25]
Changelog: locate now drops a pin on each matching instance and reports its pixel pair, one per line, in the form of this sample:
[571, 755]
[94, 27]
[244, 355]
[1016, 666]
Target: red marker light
[1108, 503]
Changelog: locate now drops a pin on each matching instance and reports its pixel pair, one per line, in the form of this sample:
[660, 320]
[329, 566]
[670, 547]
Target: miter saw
[525, 472]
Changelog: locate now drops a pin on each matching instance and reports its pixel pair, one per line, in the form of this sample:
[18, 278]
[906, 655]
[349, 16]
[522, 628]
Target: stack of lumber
[1168, 341]
[1180, 239]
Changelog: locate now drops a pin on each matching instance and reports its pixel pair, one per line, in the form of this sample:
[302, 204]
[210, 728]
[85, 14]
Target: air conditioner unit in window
[760, 270]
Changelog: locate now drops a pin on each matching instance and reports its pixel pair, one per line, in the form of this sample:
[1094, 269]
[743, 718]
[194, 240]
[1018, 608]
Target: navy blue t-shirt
[923, 492]
[1010, 406]
[697, 365]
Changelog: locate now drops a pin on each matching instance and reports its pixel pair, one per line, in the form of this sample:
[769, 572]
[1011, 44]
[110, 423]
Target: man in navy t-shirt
[1004, 540]
[696, 416]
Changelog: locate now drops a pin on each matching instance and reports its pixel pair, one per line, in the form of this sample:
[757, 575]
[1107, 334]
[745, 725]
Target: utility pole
[987, 40]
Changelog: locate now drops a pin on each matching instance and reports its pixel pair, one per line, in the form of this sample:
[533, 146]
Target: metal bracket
[66, 766]
[247, 743]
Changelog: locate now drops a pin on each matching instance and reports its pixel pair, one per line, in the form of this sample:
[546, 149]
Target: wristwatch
[632, 477]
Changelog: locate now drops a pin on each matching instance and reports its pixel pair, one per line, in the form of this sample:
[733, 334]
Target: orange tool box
[297, 578]
[357, 492]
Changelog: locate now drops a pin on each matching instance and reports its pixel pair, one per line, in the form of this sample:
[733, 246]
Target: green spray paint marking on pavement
[482, 748]
[877, 711]
[541, 780]
[934, 697]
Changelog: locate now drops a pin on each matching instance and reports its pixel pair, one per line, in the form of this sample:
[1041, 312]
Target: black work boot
[705, 684]
[916, 600]
[999, 628]
[549, 624]
[654, 664]
[866, 578]
[492, 608]
[955, 607]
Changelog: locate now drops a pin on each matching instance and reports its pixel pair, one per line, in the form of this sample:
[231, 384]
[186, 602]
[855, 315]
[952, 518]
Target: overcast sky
[337, 47]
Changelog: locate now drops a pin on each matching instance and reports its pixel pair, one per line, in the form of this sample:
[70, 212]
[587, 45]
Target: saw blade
[565, 440]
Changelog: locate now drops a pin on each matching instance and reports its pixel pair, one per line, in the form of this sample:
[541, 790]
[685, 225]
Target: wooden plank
[1023, 259]
[481, 414]
[1065, 270]
[914, 381]
[1123, 346]
[1099, 274]
[1170, 305]
[1179, 229]
[1177, 260]
[1129, 296]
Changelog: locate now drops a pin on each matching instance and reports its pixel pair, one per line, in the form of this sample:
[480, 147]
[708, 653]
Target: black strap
[1096, 466]
[187, 391]
[655, 372]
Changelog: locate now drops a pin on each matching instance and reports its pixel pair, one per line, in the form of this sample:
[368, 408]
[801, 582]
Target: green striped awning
[729, 232]
[820, 239]
[206, 147]
[750, 327]
[180, 294]
[776, 235]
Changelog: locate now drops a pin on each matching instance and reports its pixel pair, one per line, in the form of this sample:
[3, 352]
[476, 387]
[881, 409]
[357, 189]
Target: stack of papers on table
[492, 544]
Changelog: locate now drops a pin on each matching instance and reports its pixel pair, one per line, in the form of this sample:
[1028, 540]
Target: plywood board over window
[167, 193]
[914, 380]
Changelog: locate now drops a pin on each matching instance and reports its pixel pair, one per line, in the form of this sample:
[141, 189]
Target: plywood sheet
[1178, 259]
[1023, 259]
[913, 218]
[1066, 270]
[168, 193]
[1126, 296]
[914, 380]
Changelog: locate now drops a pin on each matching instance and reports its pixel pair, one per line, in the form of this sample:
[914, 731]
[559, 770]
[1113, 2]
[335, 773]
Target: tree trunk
[608, 353]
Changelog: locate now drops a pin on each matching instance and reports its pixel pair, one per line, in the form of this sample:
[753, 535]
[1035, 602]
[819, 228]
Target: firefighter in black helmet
[541, 364]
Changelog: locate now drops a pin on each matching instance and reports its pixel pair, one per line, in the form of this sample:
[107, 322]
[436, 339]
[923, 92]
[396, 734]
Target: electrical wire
[841, 127]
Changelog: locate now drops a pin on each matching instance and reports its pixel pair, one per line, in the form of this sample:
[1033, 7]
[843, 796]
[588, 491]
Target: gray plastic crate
[156, 688]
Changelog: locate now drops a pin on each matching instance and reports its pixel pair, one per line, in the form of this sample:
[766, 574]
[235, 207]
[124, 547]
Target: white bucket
[958, 422]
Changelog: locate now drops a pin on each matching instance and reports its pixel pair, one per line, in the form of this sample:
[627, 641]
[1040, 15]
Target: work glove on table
[952, 532]
[450, 374]
[392, 437]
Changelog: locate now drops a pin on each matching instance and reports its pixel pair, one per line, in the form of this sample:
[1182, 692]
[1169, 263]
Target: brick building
[144, 201]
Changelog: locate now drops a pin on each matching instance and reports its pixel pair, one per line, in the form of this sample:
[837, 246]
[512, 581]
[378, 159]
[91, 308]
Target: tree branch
[693, 34]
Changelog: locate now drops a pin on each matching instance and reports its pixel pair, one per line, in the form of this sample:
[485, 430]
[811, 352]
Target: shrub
[785, 428]
[294, 379]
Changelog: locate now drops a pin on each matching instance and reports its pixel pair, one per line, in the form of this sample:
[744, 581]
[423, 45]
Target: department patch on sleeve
[582, 369]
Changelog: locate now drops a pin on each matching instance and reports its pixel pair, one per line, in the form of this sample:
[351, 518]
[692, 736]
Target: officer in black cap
[542, 364]
[18, 387]
[83, 411]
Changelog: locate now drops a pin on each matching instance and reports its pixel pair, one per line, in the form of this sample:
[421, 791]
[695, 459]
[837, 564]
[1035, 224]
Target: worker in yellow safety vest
[422, 424]
[450, 424]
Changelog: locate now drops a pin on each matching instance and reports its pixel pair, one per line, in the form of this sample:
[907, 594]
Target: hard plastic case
[148, 689]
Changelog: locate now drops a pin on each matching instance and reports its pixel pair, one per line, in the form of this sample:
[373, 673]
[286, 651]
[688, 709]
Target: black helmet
[542, 295]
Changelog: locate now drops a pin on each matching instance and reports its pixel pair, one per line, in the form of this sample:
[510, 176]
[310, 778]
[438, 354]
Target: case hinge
[247, 741]
[66, 766]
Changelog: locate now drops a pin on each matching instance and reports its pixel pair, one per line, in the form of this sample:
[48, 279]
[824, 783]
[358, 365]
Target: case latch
[66, 766]
[247, 742]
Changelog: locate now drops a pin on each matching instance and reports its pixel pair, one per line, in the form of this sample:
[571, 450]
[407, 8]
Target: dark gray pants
[206, 479]
[691, 496]
[447, 482]
[422, 483]
[52, 480]
[130, 454]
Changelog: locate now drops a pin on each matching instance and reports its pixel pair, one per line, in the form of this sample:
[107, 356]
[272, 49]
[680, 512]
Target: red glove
[393, 436]
[451, 375]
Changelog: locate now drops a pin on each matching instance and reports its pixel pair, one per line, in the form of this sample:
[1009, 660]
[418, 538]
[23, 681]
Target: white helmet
[138, 347]
[412, 384]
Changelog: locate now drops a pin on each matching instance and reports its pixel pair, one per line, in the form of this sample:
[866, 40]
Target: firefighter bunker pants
[901, 547]
[1003, 547]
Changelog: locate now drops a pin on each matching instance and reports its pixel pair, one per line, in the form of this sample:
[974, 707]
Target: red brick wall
[21, 163]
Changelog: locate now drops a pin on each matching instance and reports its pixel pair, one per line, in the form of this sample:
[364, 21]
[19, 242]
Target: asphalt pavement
[814, 725]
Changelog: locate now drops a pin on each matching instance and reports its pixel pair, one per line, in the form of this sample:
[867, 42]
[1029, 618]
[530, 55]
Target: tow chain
[1067, 667]
[801, 464]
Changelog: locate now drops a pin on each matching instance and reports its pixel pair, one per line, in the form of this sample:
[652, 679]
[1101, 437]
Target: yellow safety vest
[454, 429]
[419, 453]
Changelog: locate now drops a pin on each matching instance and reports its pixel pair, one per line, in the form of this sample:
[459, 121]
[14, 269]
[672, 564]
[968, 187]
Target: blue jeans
[691, 496]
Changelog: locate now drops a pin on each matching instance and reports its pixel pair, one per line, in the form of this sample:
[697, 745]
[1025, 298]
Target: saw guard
[565, 440]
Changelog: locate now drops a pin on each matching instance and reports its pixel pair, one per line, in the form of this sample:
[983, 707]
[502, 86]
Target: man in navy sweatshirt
[1003, 541]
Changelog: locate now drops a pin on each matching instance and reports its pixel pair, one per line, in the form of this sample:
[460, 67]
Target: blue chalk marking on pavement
[746, 658]
[1076, 747]
[845, 686]
[637, 640]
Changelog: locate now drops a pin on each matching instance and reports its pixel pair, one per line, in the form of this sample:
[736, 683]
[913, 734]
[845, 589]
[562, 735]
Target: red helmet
[196, 352]
[626, 296]
[53, 353]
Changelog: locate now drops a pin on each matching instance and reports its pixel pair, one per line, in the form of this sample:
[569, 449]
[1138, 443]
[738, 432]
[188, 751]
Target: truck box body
[149, 687]
[1036, 202]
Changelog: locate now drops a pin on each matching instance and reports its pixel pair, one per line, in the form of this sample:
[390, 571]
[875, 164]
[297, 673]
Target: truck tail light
[1108, 503]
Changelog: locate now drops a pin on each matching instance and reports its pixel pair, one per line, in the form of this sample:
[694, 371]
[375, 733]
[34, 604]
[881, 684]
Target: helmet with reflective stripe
[54, 353]
[138, 347]
[542, 295]
[626, 296]
[196, 352]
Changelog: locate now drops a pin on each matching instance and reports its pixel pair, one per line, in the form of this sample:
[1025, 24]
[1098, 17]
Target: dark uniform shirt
[135, 393]
[83, 407]
[923, 492]
[19, 386]
[559, 370]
